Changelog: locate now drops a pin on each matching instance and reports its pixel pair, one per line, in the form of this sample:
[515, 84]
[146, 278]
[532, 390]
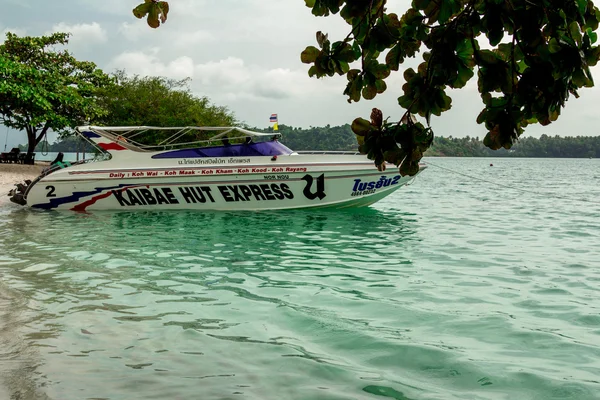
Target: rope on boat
[514, 187]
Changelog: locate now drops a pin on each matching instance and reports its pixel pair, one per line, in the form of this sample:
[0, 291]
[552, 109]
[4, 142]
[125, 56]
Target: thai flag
[273, 118]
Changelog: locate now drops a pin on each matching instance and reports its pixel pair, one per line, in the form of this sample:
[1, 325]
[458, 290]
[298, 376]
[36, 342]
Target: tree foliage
[529, 56]
[158, 101]
[326, 138]
[42, 88]
[342, 138]
[546, 146]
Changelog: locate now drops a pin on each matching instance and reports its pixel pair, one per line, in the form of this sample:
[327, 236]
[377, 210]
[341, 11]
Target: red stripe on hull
[82, 207]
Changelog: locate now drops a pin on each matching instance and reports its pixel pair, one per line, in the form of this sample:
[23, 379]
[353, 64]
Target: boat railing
[174, 137]
[342, 153]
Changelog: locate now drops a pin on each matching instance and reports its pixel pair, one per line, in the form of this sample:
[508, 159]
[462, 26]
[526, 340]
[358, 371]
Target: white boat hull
[257, 183]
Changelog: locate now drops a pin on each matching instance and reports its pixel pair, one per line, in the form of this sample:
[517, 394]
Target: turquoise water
[451, 288]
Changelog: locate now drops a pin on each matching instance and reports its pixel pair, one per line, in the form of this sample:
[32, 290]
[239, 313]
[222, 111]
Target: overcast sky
[245, 54]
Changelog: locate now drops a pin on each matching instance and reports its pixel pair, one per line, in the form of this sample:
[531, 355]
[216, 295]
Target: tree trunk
[33, 140]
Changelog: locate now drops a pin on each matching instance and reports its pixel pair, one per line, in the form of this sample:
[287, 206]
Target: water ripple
[448, 289]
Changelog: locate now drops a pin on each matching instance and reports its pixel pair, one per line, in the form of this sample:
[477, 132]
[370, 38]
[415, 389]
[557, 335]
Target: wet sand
[10, 174]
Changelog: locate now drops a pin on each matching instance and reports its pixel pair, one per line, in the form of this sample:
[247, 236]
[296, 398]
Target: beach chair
[13, 155]
[26, 159]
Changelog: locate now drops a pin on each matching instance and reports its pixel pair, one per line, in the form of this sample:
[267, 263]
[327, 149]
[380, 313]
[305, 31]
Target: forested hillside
[341, 138]
[545, 146]
[319, 138]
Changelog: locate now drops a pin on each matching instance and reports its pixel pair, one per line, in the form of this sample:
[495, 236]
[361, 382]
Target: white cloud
[133, 31]
[83, 34]
[140, 63]
[249, 90]
[185, 40]
[180, 39]
[245, 54]
[16, 31]
[230, 78]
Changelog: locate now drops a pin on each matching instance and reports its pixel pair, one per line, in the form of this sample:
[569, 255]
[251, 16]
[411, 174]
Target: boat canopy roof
[154, 138]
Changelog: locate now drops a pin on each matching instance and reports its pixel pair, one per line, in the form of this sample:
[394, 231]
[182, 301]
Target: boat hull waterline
[248, 175]
[214, 188]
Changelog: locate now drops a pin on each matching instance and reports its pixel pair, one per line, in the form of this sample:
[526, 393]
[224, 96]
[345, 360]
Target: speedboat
[205, 168]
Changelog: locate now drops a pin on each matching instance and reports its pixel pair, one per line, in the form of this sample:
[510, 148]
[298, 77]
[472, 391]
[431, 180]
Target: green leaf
[443, 101]
[465, 51]
[369, 92]
[405, 101]
[354, 88]
[582, 6]
[592, 56]
[463, 76]
[142, 10]
[164, 10]
[409, 167]
[487, 56]
[581, 79]
[495, 36]
[380, 71]
[153, 14]
[394, 156]
[445, 11]
[361, 142]
[575, 31]
[554, 46]
[353, 74]
[361, 126]
[409, 74]
[394, 58]
[309, 55]
[592, 35]
[345, 52]
[321, 38]
[421, 4]
[345, 67]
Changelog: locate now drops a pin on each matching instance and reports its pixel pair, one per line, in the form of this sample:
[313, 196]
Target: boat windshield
[272, 148]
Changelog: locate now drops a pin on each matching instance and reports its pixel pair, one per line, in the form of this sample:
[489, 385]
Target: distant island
[341, 138]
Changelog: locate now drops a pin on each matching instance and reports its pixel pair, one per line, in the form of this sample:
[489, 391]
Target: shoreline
[11, 174]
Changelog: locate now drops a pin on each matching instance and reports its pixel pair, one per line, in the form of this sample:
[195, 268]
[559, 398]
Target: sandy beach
[10, 174]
